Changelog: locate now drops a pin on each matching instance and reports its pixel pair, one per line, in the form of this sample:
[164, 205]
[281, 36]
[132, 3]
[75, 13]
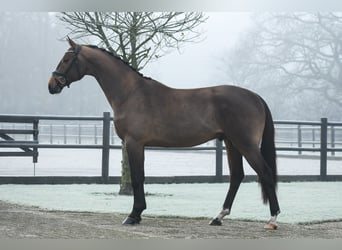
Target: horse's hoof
[130, 221]
[215, 222]
[271, 226]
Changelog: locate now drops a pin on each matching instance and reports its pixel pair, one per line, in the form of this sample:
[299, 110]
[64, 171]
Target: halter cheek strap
[57, 74]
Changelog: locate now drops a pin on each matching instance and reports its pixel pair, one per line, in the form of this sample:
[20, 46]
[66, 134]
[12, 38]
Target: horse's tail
[268, 149]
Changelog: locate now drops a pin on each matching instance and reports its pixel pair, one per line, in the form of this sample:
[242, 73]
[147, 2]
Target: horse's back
[217, 106]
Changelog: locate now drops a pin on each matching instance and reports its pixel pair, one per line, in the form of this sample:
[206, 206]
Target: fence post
[79, 134]
[105, 146]
[51, 134]
[299, 134]
[95, 134]
[219, 153]
[313, 137]
[332, 139]
[324, 139]
[65, 134]
[35, 138]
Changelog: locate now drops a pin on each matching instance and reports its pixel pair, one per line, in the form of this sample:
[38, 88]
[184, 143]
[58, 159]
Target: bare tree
[296, 52]
[306, 47]
[138, 38]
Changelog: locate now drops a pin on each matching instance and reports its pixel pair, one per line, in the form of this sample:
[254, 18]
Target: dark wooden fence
[323, 139]
[6, 135]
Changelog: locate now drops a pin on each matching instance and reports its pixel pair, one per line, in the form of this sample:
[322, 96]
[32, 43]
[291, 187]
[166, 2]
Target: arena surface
[22, 222]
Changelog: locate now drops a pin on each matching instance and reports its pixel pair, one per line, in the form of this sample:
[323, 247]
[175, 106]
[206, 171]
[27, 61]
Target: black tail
[268, 148]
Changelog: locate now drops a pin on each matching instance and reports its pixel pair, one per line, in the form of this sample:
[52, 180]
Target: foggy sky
[31, 50]
[197, 64]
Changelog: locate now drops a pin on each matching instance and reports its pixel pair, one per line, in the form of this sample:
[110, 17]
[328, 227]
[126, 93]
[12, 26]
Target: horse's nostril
[53, 87]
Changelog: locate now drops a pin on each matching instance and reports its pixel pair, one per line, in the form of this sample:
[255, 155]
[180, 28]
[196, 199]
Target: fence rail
[298, 137]
[23, 145]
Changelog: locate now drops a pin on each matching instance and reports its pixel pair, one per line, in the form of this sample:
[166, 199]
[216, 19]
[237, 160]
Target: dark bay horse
[148, 113]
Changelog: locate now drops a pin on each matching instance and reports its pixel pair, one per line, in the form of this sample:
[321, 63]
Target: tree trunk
[126, 184]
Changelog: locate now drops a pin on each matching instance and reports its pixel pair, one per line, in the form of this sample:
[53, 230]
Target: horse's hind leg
[236, 177]
[257, 162]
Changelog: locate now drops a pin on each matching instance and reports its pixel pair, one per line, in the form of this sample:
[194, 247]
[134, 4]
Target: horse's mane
[118, 58]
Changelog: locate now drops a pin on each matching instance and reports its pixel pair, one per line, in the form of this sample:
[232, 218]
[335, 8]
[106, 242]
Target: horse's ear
[72, 43]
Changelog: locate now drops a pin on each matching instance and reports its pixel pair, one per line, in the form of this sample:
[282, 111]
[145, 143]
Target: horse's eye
[66, 60]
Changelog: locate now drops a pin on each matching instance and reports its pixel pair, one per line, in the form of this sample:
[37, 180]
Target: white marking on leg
[217, 221]
[272, 223]
[273, 219]
[222, 214]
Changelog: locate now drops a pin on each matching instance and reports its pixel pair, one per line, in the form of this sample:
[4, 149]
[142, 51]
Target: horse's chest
[134, 125]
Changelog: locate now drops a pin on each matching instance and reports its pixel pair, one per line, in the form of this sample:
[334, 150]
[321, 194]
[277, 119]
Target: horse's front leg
[135, 152]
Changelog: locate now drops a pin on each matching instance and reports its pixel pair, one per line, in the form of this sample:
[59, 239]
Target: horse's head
[69, 69]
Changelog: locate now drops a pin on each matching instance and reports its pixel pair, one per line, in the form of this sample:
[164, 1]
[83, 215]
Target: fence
[33, 132]
[293, 137]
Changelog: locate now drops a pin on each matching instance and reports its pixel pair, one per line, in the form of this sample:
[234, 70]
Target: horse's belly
[182, 137]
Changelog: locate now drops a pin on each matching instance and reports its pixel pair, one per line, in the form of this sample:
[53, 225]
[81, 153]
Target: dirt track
[17, 222]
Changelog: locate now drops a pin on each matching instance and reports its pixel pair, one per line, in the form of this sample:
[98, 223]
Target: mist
[32, 45]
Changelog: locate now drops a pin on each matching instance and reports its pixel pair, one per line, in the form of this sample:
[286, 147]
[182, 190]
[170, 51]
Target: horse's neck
[116, 79]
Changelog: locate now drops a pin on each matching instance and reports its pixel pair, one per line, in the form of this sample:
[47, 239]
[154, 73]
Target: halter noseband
[57, 73]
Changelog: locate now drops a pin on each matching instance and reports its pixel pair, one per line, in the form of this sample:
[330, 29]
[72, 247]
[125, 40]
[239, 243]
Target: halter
[57, 73]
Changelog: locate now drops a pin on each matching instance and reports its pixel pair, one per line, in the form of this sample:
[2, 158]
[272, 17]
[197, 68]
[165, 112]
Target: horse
[149, 113]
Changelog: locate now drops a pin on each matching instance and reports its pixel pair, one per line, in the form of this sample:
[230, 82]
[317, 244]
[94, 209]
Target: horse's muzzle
[54, 88]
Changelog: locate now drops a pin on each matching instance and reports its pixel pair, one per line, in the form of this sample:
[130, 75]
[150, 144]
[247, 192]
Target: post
[105, 146]
[95, 134]
[79, 134]
[64, 134]
[112, 136]
[313, 137]
[332, 139]
[324, 139]
[299, 134]
[219, 153]
[51, 135]
[35, 139]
